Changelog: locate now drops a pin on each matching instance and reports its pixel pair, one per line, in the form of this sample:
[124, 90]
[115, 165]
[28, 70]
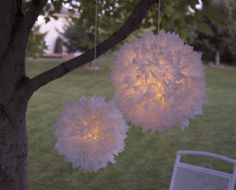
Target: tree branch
[128, 27]
[19, 7]
[34, 9]
[26, 5]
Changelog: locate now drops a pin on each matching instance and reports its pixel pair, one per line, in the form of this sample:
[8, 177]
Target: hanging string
[159, 16]
[95, 29]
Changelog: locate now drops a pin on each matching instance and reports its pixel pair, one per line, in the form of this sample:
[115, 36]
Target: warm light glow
[152, 86]
[90, 133]
[159, 81]
[93, 134]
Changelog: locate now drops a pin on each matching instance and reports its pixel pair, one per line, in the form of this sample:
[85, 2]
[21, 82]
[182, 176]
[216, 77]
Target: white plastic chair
[191, 177]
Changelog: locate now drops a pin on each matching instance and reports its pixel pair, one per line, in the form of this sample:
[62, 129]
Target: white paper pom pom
[159, 81]
[90, 133]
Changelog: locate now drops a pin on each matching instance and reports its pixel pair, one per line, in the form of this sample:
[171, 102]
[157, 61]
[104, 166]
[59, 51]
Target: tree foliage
[175, 17]
[220, 35]
[36, 44]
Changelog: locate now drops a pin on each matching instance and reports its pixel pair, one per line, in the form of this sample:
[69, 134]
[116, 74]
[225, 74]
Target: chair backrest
[192, 177]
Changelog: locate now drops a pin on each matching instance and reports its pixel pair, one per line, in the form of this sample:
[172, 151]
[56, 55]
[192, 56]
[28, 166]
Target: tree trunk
[217, 58]
[13, 146]
[13, 136]
[13, 103]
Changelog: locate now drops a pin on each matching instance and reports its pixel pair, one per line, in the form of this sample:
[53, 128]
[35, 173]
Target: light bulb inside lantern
[93, 135]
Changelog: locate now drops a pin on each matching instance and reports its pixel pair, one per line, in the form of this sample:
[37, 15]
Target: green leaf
[213, 14]
[169, 10]
[204, 28]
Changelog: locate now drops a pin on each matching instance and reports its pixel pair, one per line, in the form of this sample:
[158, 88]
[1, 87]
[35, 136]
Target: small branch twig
[128, 27]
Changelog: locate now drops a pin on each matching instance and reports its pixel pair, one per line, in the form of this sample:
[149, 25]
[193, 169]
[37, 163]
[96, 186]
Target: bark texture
[13, 148]
[13, 138]
[13, 99]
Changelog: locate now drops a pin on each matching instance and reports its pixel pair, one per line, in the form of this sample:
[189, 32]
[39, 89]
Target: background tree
[16, 88]
[36, 44]
[58, 45]
[219, 39]
[78, 38]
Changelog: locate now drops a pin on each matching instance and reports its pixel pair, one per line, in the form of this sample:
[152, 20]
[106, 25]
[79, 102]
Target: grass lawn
[147, 161]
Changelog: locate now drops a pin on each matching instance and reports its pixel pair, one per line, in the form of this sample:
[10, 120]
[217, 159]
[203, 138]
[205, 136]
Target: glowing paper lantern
[159, 81]
[90, 133]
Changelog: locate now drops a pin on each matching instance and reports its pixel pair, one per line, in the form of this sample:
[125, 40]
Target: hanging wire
[159, 16]
[95, 29]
